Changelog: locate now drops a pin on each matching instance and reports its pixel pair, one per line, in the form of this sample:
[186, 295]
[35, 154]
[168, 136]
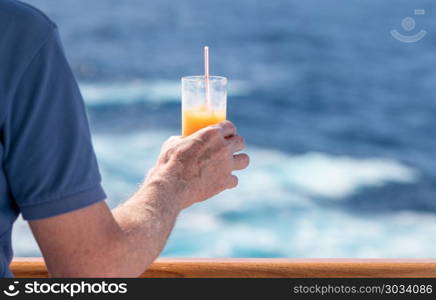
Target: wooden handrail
[237, 267]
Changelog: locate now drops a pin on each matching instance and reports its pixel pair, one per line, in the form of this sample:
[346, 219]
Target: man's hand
[201, 165]
[96, 242]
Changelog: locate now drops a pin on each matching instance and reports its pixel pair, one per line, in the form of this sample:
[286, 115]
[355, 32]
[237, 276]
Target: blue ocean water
[338, 116]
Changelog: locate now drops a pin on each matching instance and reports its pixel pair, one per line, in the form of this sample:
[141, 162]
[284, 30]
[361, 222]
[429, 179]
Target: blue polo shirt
[48, 166]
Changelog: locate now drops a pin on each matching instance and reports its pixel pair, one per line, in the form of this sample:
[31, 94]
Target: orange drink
[204, 102]
[195, 119]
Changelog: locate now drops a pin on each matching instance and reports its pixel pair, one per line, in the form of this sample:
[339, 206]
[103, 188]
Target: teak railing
[262, 268]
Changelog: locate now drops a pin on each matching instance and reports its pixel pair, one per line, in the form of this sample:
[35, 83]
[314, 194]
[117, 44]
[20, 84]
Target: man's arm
[97, 242]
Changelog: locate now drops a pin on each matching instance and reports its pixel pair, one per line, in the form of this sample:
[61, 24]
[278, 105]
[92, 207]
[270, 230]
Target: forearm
[101, 243]
[146, 221]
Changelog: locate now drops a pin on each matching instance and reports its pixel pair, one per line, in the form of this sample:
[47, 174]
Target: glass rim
[201, 77]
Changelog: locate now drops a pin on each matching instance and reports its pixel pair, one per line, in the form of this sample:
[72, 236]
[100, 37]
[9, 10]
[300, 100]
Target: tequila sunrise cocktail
[203, 102]
[194, 119]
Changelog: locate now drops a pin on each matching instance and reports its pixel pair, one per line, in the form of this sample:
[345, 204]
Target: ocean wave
[161, 91]
[314, 233]
[324, 175]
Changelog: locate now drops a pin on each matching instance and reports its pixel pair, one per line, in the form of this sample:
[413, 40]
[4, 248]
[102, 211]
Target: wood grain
[262, 268]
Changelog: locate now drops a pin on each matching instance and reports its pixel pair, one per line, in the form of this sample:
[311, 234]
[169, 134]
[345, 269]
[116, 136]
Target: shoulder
[25, 20]
[24, 31]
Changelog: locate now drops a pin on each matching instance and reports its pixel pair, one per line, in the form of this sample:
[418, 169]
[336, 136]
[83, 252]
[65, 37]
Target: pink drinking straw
[206, 77]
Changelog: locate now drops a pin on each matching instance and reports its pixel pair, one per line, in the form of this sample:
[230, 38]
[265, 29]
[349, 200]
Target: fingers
[232, 182]
[240, 161]
[221, 130]
[236, 143]
[227, 128]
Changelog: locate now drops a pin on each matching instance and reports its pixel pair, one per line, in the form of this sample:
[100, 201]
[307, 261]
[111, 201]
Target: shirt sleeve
[49, 159]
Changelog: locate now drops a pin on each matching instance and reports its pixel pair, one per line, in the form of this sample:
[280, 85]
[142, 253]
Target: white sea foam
[310, 234]
[143, 91]
[272, 212]
[325, 175]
